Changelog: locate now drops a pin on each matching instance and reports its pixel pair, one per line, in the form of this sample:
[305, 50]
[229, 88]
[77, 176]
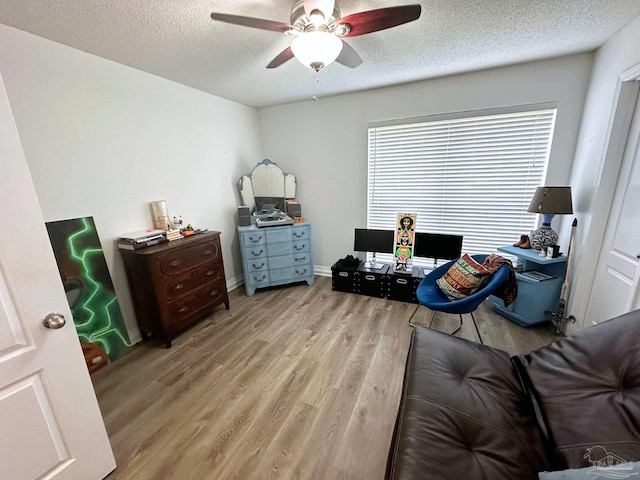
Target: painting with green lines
[87, 283]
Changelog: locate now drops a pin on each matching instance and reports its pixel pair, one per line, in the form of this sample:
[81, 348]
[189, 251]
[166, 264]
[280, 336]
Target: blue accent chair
[429, 294]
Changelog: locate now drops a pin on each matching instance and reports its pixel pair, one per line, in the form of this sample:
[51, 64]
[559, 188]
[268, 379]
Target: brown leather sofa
[470, 412]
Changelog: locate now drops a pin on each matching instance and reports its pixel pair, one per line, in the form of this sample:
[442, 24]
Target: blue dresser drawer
[257, 279]
[255, 252]
[301, 258]
[257, 265]
[253, 238]
[301, 246]
[277, 234]
[282, 275]
[295, 259]
[278, 249]
[300, 233]
[301, 272]
[279, 262]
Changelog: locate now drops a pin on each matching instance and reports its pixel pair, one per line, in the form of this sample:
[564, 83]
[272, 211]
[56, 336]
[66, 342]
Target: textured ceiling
[177, 40]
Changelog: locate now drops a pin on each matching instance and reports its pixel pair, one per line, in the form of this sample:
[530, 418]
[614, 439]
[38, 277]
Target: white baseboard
[322, 270]
[134, 335]
[235, 282]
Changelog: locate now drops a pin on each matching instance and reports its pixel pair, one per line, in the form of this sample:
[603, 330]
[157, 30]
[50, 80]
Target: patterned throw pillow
[465, 277]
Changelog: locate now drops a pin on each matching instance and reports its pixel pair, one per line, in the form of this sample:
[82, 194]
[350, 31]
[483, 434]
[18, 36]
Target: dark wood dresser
[175, 284]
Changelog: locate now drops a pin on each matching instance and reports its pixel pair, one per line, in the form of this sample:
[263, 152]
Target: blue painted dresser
[275, 255]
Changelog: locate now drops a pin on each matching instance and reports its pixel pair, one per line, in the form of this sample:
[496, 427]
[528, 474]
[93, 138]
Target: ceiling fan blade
[380, 19]
[325, 6]
[348, 56]
[252, 22]
[283, 56]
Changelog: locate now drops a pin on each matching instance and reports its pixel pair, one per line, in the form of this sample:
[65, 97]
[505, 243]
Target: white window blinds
[465, 175]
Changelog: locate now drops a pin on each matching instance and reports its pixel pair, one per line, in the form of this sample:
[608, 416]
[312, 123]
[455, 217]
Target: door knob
[54, 321]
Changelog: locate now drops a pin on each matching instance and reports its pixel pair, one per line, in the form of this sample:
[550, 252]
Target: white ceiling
[177, 40]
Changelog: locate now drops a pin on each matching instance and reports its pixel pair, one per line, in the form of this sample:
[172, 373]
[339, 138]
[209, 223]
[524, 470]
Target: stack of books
[173, 234]
[141, 239]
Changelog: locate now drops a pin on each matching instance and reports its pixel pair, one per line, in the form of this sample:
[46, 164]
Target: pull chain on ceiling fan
[318, 30]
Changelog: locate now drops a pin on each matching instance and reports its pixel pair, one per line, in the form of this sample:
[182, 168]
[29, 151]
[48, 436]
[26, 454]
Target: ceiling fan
[318, 30]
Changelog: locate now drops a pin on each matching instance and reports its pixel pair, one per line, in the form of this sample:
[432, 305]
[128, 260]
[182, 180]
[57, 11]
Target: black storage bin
[342, 278]
[402, 287]
[372, 282]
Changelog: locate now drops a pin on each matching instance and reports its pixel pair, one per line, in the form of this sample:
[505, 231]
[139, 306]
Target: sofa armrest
[588, 388]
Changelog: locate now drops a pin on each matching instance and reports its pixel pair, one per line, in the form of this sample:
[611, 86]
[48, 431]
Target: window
[464, 174]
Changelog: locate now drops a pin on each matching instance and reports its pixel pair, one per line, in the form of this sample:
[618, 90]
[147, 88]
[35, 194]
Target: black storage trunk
[372, 282]
[343, 279]
[402, 287]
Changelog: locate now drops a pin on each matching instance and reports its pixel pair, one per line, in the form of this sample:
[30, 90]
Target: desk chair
[430, 295]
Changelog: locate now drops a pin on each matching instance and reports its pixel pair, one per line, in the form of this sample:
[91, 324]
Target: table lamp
[548, 201]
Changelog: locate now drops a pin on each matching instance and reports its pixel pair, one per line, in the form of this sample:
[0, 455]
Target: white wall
[103, 140]
[594, 180]
[324, 143]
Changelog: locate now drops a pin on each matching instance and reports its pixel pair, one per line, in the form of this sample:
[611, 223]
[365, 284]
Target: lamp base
[542, 238]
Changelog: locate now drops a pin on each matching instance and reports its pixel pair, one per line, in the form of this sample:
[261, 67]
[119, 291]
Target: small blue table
[536, 296]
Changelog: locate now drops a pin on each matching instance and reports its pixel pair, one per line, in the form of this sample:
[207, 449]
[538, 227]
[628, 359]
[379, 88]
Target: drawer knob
[298, 234]
[299, 247]
[179, 286]
[183, 309]
[259, 279]
[175, 263]
[299, 259]
[401, 281]
[302, 272]
[258, 266]
[255, 239]
[210, 272]
[213, 293]
[343, 274]
[257, 254]
[370, 277]
[208, 252]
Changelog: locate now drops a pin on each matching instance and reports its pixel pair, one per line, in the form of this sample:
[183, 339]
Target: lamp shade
[548, 201]
[551, 200]
[316, 49]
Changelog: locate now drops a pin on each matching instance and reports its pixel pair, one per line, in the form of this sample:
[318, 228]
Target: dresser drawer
[300, 271]
[289, 260]
[257, 279]
[174, 263]
[253, 238]
[181, 309]
[257, 264]
[290, 274]
[276, 235]
[302, 258]
[300, 233]
[255, 252]
[278, 249]
[180, 284]
[300, 246]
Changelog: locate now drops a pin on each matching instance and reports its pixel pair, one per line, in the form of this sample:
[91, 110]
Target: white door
[615, 287]
[50, 423]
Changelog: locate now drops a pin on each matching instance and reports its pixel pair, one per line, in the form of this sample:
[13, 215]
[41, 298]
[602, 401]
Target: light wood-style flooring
[292, 383]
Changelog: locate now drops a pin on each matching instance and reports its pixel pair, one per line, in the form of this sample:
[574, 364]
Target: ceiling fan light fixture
[317, 18]
[316, 49]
